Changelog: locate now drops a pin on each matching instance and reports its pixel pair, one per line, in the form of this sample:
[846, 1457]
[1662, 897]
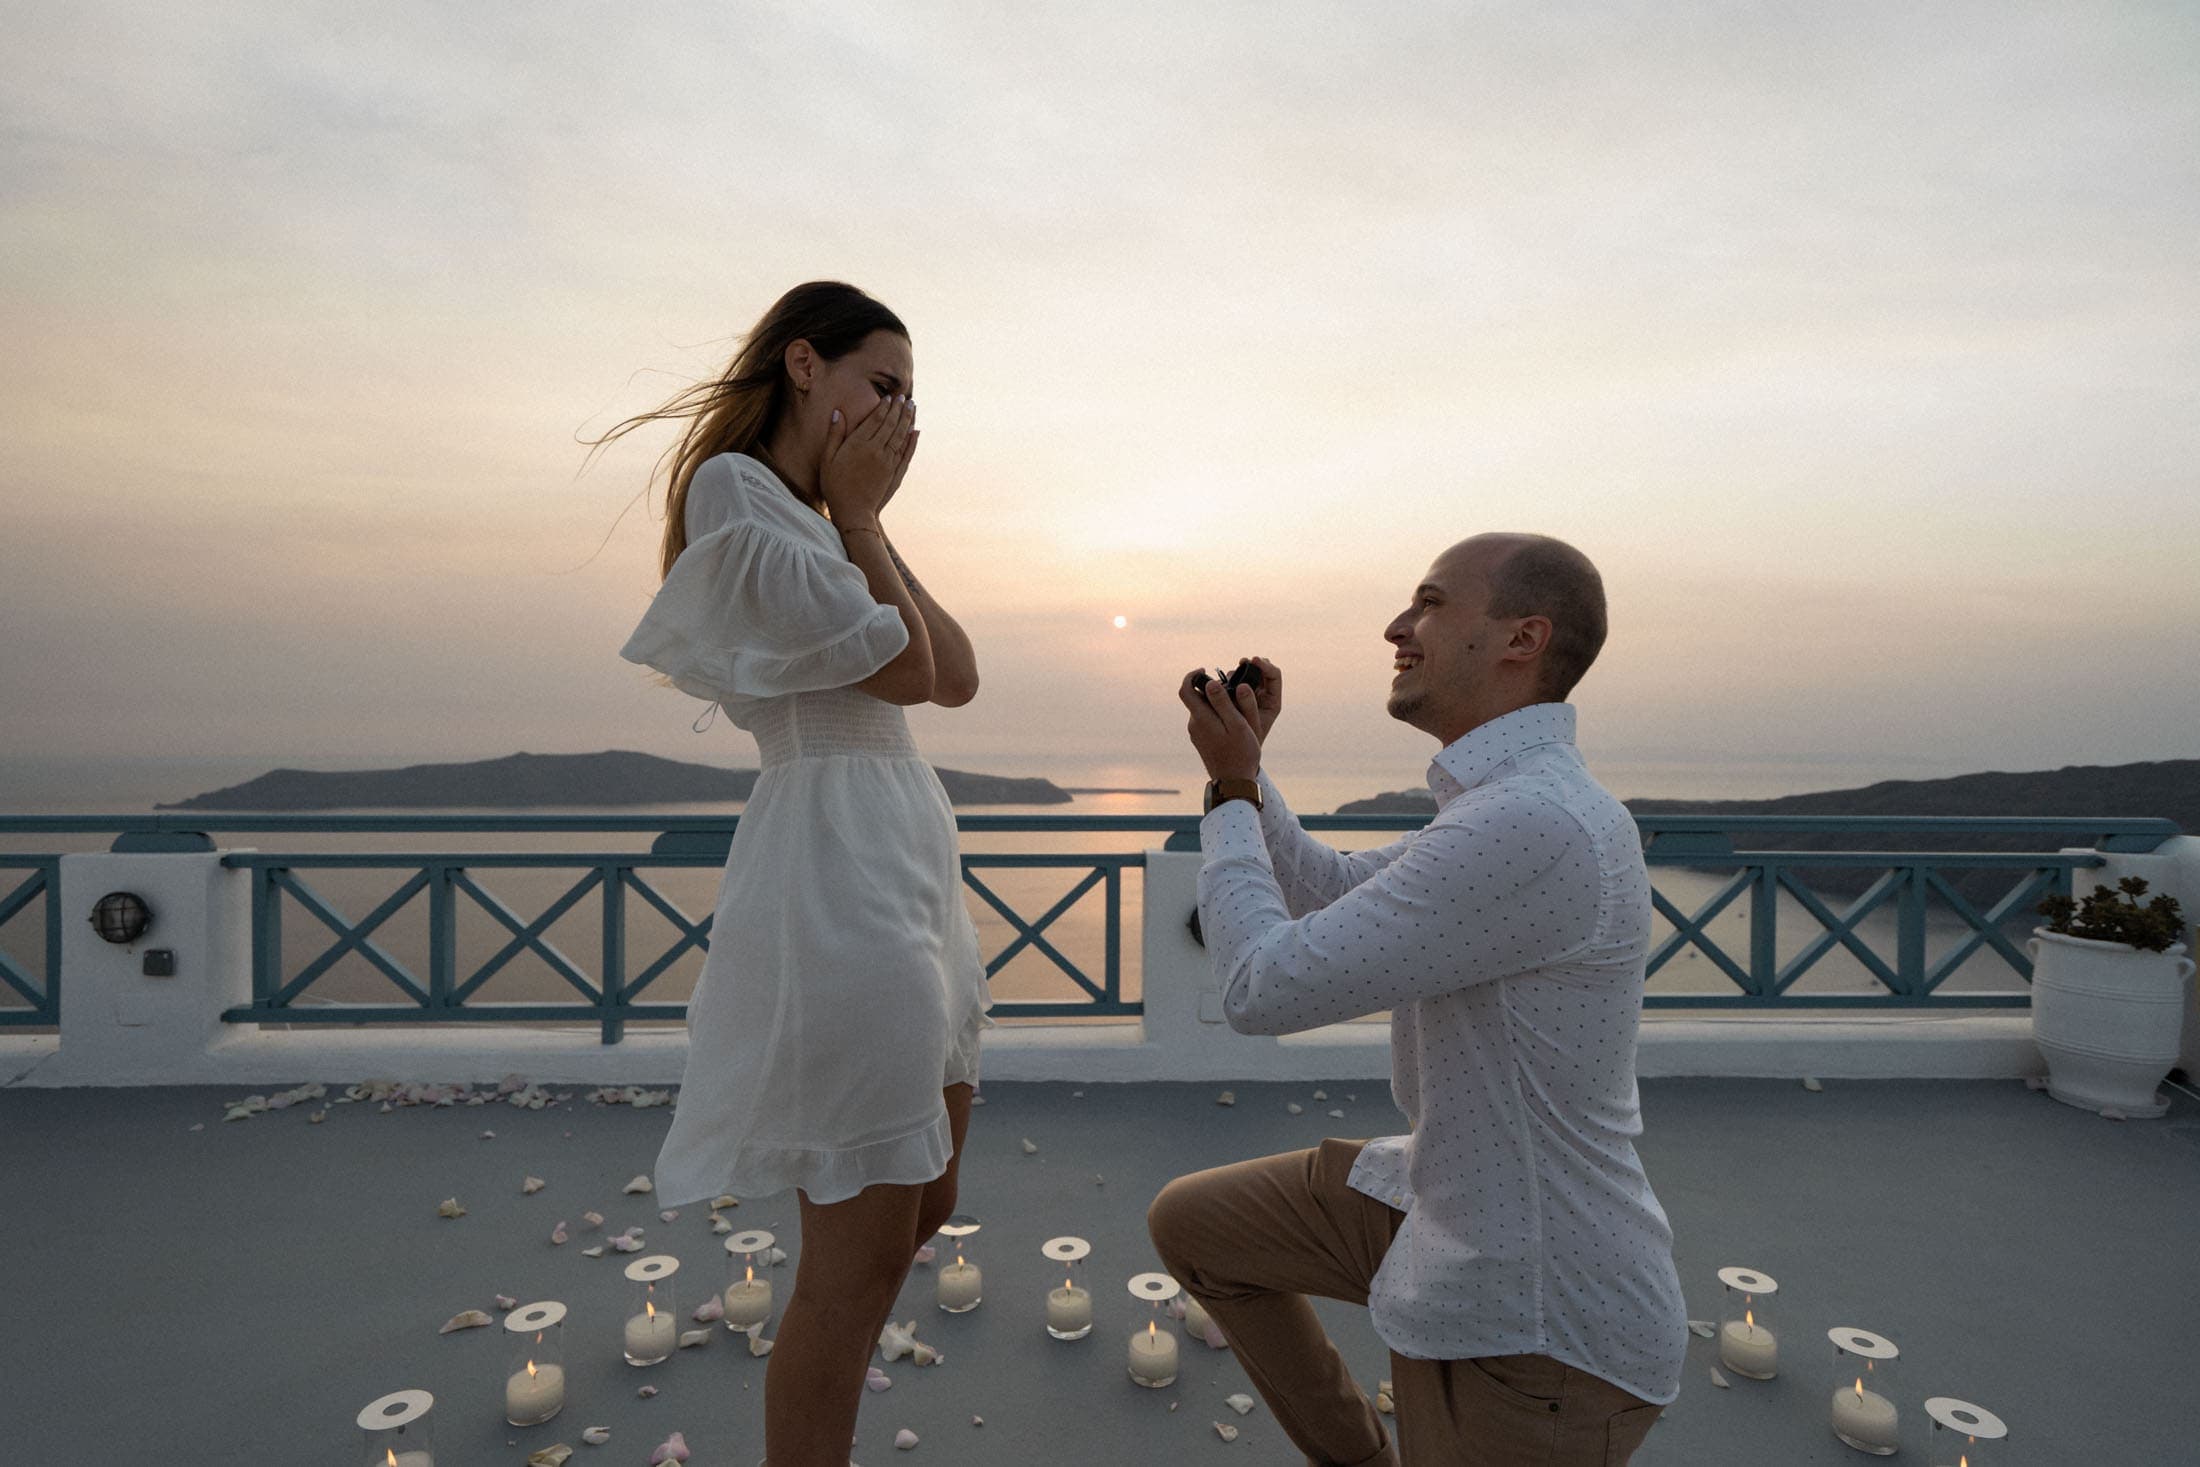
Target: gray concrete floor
[235, 1295]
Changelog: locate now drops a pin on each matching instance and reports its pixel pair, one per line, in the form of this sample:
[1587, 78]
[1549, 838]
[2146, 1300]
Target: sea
[97, 787]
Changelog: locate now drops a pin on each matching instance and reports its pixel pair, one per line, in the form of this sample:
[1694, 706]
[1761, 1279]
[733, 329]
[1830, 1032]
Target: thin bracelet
[860, 530]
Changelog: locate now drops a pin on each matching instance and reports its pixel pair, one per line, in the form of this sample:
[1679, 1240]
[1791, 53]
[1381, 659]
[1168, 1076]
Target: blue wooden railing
[39, 891]
[616, 991]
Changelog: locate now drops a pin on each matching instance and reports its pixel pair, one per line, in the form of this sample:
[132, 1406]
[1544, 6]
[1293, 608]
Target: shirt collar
[1471, 758]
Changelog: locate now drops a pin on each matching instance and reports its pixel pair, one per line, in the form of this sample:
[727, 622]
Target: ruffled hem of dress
[832, 1176]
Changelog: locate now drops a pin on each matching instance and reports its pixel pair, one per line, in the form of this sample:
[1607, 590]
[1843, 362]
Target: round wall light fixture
[121, 916]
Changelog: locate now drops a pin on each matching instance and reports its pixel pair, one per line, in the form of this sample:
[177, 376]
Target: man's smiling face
[1447, 653]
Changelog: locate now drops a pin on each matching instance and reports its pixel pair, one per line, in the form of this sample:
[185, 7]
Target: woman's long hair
[737, 411]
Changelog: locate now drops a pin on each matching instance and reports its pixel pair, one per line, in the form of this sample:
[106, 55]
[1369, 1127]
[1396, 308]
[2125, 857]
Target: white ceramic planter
[2107, 1018]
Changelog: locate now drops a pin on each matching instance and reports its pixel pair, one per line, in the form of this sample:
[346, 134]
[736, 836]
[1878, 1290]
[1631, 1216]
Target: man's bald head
[1536, 575]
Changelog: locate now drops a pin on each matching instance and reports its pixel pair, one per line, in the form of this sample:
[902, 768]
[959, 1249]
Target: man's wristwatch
[1219, 790]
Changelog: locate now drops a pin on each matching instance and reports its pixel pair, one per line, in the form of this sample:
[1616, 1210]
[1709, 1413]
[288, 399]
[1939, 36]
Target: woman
[833, 1035]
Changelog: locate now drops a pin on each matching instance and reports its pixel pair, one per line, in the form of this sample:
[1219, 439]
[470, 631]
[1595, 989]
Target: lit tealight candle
[1153, 1349]
[1747, 1346]
[534, 1391]
[1865, 1419]
[653, 1329]
[960, 1285]
[1862, 1417]
[649, 1335]
[1069, 1312]
[1153, 1356]
[1069, 1308]
[748, 1302]
[748, 1298]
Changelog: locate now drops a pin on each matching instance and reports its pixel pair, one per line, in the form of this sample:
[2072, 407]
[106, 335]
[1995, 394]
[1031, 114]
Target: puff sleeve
[753, 610]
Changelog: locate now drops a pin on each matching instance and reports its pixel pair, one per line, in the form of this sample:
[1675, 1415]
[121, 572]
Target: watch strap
[1220, 790]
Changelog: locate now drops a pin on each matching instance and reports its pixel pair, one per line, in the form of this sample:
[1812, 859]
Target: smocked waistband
[824, 724]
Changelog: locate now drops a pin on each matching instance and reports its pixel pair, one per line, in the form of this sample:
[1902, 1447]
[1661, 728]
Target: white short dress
[843, 987]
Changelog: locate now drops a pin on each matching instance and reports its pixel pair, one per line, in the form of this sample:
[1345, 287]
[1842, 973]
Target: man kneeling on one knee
[1509, 1249]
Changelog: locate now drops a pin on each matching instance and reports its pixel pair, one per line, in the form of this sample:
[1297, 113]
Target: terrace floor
[236, 1294]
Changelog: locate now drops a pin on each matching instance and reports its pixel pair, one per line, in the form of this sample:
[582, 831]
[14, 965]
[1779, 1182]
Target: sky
[1858, 344]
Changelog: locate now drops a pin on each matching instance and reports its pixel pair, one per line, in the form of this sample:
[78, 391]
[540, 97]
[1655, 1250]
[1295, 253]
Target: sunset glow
[1859, 356]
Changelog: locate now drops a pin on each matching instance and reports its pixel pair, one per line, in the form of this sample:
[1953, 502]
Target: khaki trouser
[1251, 1241]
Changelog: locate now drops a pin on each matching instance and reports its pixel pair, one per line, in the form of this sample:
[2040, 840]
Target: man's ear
[1530, 637]
[801, 363]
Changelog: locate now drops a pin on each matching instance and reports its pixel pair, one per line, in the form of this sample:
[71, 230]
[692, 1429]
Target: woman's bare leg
[855, 1256]
[938, 1204]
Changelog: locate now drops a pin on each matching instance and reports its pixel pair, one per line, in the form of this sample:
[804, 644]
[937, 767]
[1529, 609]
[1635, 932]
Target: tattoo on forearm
[908, 577]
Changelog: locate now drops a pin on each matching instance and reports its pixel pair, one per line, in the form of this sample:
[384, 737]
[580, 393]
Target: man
[1509, 1249]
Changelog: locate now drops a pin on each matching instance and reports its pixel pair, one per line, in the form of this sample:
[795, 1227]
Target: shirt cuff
[1232, 828]
[1275, 811]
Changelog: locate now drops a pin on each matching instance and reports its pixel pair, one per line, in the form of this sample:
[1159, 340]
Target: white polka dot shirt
[1508, 938]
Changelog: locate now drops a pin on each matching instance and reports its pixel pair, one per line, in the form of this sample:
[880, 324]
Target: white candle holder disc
[1747, 1344]
[534, 1388]
[1958, 1428]
[1069, 1308]
[1155, 1288]
[1864, 1416]
[398, 1430]
[653, 1325]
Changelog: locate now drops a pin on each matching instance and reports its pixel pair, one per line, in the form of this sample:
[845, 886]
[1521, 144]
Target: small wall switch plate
[160, 962]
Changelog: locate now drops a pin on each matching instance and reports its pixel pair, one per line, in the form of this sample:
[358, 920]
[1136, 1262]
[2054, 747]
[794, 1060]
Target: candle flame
[530, 1370]
[1749, 1318]
[1860, 1388]
[1153, 1331]
[958, 1255]
[1068, 1282]
[1964, 1460]
[651, 1306]
[391, 1452]
[752, 1274]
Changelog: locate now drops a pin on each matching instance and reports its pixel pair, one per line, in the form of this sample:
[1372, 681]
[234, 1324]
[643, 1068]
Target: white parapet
[120, 1027]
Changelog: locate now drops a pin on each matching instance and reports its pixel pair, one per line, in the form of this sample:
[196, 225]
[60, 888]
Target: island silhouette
[533, 781]
[2161, 790]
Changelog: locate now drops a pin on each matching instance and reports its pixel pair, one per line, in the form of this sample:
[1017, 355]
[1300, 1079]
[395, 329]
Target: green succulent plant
[2118, 916]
